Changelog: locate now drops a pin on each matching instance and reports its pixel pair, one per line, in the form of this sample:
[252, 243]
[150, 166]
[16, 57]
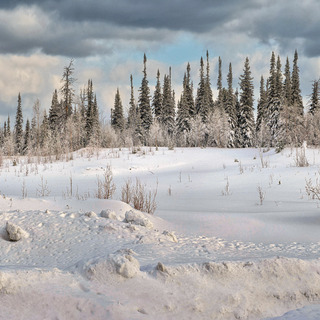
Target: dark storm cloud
[84, 28]
[290, 23]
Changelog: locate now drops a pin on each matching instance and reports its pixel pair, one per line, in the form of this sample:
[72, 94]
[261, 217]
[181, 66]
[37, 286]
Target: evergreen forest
[156, 117]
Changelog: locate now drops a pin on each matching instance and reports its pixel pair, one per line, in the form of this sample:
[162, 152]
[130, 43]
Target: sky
[107, 40]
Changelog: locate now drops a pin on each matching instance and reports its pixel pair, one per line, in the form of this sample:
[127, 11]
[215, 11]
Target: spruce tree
[89, 111]
[67, 89]
[287, 84]
[219, 82]
[54, 112]
[134, 119]
[26, 138]
[230, 110]
[274, 101]
[297, 104]
[183, 113]
[5, 129]
[168, 105]
[201, 103]
[157, 99]
[44, 133]
[188, 94]
[314, 103]
[8, 127]
[261, 115]
[296, 92]
[117, 117]
[144, 101]
[246, 117]
[18, 128]
[208, 90]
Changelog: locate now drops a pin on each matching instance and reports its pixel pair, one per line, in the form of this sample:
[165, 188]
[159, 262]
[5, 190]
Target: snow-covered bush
[138, 218]
[106, 187]
[138, 197]
[15, 233]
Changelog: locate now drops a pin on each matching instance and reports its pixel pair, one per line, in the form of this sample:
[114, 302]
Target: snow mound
[138, 218]
[15, 233]
[121, 262]
[108, 214]
[6, 285]
[91, 214]
[254, 289]
[170, 235]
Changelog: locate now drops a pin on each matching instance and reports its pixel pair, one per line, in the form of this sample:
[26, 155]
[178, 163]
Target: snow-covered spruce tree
[230, 111]
[144, 102]
[186, 109]
[35, 128]
[92, 125]
[188, 94]
[79, 120]
[134, 119]
[246, 117]
[18, 129]
[157, 99]
[219, 83]
[117, 117]
[208, 90]
[297, 104]
[96, 134]
[314, 102]
[286, 115]
[26, 143]
[8, 127]
[296, 92]
[167, 118]
[201, 104]
[262, 131]
[8, 140]
[183, 116]
[274, 101]
[313, 116]
[67, 89]
[45, 135]
[55, 113]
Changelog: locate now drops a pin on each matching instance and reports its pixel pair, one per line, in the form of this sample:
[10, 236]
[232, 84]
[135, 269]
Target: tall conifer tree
[18, 128]
[144, 101]
[246, 117]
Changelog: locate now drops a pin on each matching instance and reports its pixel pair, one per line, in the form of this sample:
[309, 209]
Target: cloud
[81, 28]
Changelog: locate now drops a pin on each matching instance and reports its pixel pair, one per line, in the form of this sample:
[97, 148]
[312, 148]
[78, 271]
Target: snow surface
[210, 251]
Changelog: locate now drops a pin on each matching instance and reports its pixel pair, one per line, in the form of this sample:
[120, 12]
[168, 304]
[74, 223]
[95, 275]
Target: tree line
[195, 119]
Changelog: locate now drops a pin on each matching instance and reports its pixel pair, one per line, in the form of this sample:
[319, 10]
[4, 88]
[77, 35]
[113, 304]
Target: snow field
[211, 251]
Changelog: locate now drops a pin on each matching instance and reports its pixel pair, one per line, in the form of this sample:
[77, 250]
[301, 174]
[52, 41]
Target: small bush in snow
[137, 196]
[126, 192]
[137, 218]
[106, 187]
[15, 233]
[313, 190]
[261, 194]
